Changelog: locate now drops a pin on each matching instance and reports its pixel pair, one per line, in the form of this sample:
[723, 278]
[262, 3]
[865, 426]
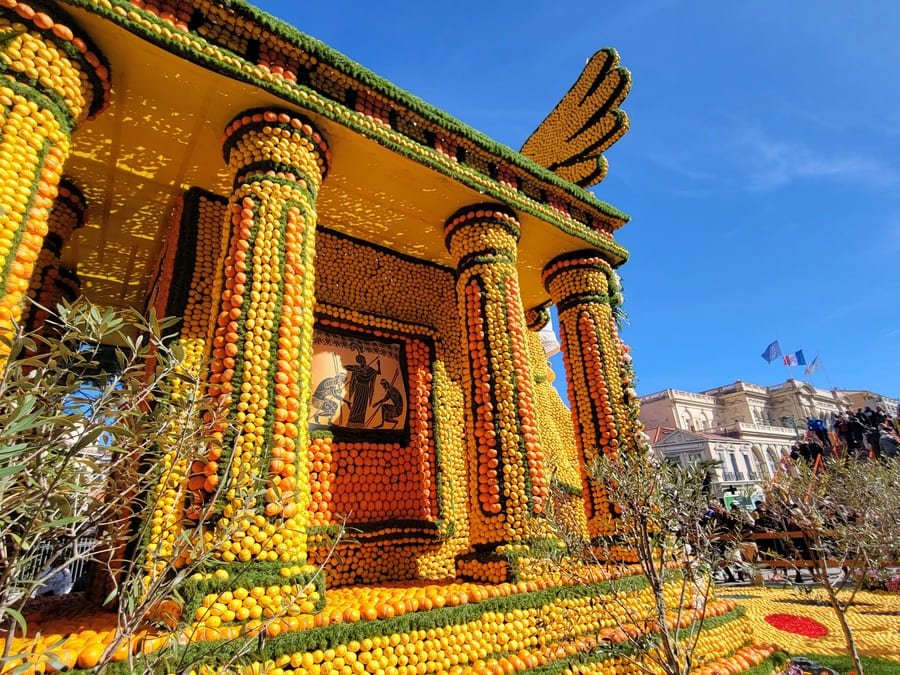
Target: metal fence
[63, 566]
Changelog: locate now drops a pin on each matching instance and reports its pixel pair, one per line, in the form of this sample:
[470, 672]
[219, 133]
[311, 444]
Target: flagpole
[827, 376]
[802, 365]
[784, 360]
[788, 363]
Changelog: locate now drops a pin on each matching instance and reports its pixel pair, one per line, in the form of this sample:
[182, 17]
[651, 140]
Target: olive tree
[847, 516]
[97, 410]
[660, 536]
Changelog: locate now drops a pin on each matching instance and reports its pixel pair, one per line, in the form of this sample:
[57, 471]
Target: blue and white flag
[795, 359]
[812, 367]
[773, 351]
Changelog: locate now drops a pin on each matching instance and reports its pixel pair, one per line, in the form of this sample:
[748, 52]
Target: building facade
[737, 471]
[866, 399]
[747, 428]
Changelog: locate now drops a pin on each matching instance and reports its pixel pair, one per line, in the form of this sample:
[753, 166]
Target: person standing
[360, 388]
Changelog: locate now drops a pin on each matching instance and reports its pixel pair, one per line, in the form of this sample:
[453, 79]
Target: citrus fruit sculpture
[360, 280]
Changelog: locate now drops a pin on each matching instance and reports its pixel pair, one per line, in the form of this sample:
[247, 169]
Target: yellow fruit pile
[352, 479]
[32, 151]
[499, 640]
[263, 339]
[375, 282]
[482, 432]
[873, 618]
[273, 609]
[367, 561]
[585, 123]
[185, 481]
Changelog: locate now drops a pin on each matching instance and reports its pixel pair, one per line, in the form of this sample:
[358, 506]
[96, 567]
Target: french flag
[795, 359]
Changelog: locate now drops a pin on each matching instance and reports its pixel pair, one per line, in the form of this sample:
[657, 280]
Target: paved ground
[769, 577]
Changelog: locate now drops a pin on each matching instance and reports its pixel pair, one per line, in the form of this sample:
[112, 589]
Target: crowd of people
[743, 535]
[735, 544]
[864, 434]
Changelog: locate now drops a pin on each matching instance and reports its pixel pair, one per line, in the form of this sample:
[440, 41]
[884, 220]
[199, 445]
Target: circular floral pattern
[800, 625]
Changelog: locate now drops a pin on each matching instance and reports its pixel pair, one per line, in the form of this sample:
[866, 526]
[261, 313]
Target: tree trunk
[841, 613]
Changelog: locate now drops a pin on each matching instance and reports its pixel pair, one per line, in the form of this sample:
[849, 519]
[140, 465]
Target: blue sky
[761, 170]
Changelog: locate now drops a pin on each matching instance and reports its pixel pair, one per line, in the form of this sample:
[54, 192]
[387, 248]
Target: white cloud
[770, 163]
[735, 155]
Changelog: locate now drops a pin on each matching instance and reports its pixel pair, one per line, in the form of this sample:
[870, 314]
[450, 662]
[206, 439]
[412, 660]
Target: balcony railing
[732, 476]
[764, 428]
[677, 393]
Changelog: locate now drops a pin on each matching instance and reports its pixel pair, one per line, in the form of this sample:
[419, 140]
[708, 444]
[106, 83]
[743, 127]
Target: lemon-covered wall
[390, 509]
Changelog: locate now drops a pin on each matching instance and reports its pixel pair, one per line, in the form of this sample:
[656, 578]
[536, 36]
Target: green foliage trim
[53, 104]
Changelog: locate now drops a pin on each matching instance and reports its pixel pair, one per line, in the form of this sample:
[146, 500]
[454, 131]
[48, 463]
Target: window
[751, 474]
[734, 467]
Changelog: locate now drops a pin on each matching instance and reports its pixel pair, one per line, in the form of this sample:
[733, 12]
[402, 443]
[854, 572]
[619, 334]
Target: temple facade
[360, 280]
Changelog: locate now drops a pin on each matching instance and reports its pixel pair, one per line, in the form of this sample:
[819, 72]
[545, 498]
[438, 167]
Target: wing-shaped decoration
[587, 121]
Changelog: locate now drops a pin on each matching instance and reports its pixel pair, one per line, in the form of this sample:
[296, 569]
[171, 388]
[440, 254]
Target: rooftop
[400, 166]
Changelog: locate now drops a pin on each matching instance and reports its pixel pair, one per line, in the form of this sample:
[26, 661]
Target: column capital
[581, 277]
[76, 84]
[482, 214]
[482, 234]
[272, 143]
[537, 317]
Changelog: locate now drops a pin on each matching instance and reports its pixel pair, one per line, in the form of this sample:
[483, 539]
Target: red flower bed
[800, 625]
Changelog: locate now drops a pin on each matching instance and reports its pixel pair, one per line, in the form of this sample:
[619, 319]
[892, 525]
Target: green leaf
[10, 450]
[9, 36]
[62, 522]
[11, 470]
[17, 617]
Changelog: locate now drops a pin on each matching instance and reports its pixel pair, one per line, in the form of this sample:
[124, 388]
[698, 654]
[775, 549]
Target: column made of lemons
[51, 79]
[262, 348]
[506, 465]
[584, 288]
[51, 282]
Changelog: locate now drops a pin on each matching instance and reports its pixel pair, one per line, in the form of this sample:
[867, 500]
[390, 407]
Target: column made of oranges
[506, 465]
[51, 79]
[51, 282]
[583, 287]
[262, 345]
